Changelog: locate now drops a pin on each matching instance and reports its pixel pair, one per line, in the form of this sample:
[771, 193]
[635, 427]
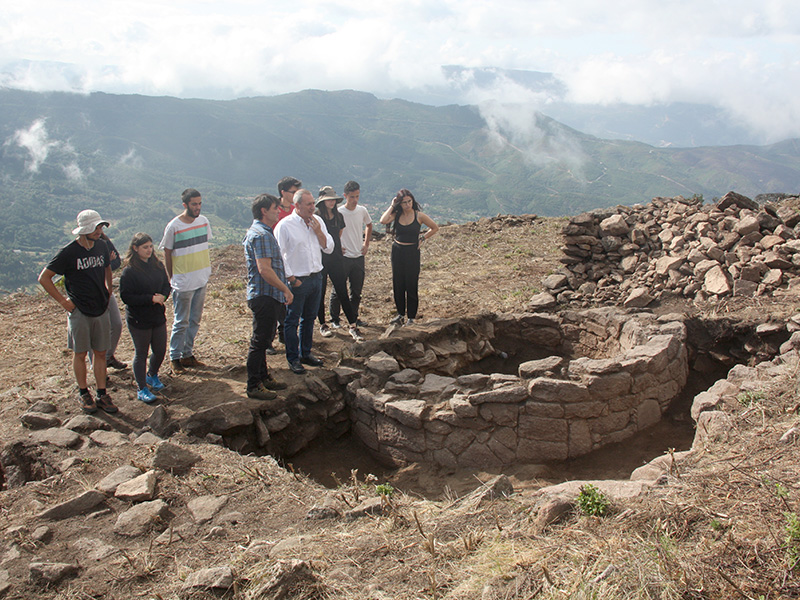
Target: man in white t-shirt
[356, 236]
[186, 257]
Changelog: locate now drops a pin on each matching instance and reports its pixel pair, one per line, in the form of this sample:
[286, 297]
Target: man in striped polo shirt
[185, 246]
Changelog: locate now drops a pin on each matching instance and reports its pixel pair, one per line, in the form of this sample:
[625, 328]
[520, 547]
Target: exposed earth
[716, 530]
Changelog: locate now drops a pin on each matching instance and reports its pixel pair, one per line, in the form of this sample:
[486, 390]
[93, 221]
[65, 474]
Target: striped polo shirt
[191, 263]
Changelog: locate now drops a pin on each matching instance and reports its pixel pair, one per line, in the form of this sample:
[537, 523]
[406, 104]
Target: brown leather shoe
[273, 384]
[261, 393]
[191, 362]
[177, 366]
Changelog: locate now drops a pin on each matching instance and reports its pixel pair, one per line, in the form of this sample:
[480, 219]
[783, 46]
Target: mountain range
[130, 156]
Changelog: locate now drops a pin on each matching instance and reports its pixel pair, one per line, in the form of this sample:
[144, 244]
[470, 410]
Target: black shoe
[116, 364]
[312, 361]
[398, 320]
[271, 351]
[360, 323]
[297, 368]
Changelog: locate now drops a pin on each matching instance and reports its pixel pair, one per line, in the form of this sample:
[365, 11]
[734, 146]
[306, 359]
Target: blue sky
[743, 56]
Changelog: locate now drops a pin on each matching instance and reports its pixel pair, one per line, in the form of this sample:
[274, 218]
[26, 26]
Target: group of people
[294, 245]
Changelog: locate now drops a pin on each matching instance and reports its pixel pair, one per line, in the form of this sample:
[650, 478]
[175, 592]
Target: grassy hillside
[130, 157]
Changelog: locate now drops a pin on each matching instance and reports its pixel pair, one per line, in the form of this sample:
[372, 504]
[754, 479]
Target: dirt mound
[249, 527]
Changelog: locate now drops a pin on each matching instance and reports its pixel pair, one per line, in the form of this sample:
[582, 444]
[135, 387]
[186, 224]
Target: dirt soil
[714, 535]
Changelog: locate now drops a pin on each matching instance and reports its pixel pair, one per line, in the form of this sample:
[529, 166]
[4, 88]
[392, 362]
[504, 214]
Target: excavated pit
[591, 394]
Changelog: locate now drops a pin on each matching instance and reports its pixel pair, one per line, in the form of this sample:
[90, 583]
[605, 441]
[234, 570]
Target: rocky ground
[199, 520]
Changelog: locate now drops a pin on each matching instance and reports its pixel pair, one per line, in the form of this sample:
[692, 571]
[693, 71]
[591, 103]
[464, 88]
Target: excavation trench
[589, 394]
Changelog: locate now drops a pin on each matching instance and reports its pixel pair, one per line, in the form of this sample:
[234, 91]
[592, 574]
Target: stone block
[580, 438]
[533, 451]
[648, 413]
[612, 385]
[544, 389]
[508, 394]
[408, 412]
[539, 428]
[500, 414]
[392, 433]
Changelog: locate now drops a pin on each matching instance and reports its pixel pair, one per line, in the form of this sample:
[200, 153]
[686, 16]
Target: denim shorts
[86, 333]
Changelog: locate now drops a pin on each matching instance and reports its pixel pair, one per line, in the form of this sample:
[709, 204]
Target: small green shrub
[592, 501]
[750, 397]
[384, 489]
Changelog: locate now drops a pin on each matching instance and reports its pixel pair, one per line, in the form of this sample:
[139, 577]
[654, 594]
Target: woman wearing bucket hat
[332, 263]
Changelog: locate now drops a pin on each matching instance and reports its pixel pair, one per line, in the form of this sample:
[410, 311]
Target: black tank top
[407, 234]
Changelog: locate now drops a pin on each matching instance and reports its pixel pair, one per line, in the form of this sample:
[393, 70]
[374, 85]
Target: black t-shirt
[84, 274]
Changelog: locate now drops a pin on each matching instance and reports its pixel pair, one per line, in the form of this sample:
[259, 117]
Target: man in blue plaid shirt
[266, 292]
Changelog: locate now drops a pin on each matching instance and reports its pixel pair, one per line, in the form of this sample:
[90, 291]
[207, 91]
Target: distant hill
[130, 156]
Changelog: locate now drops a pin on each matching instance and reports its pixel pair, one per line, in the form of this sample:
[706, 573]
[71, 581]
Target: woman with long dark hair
[333, 263]
[144, 287]
[405, 219]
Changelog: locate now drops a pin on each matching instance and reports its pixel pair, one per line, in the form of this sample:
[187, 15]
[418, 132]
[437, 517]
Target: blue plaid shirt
[259, 242]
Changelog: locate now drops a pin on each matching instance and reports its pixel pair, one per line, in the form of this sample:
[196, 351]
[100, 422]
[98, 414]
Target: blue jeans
[188, 310]
[302, 311]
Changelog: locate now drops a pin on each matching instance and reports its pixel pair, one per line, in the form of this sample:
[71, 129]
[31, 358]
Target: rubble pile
[635, 255]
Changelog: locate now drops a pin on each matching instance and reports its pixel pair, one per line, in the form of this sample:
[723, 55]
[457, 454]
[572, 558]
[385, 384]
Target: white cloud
[35, 141]
[735, 54]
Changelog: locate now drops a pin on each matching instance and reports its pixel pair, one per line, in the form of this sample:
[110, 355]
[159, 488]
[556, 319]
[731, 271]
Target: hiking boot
[398, 320]
[87, 403]
[116, 364]
[356, 334]
[191, 362]
[104, 403]
[325, 331]
[273, 384]
[177, 367]
[154, 382]
[261, 393]
[146, 396]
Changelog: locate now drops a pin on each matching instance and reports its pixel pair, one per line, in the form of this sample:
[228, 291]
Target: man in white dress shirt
[302, 237]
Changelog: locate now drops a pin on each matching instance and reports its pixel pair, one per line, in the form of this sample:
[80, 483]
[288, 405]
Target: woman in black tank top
[405, 220]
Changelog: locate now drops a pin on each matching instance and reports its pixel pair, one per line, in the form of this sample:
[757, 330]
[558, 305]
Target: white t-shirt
[353, 234]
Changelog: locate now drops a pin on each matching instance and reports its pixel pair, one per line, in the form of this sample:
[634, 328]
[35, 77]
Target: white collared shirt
[302, 254]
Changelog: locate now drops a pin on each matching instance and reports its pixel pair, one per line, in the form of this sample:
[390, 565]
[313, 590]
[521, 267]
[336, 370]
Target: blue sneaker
[154, 382]
[146, 396]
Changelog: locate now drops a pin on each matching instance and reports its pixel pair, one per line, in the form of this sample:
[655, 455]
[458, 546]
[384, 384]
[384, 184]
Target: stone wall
[633, 255]
[605, 374]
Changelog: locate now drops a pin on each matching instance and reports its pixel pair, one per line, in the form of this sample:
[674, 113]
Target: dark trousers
[266, 311]
[334, 270]
[298, 328]
[405, 279]
[353, 270]
[143, 341]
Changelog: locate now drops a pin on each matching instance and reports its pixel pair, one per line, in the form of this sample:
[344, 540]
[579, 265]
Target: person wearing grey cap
[86, 267]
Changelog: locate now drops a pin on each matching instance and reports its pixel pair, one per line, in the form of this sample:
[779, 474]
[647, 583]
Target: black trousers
[405, 279]
[143, 341]
[353, 270]
[332, 267]
[266, 311]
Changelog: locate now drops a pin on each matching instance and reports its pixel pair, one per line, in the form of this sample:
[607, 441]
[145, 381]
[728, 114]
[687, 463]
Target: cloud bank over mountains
[739, 56]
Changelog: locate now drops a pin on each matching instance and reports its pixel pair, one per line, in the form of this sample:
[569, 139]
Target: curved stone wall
[598, 377]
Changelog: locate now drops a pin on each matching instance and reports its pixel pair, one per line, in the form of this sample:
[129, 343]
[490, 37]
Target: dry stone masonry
[637, 254]
[603, 375]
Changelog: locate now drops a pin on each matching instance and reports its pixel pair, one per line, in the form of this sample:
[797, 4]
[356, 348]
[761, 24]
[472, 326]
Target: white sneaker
[325, 331]
[356, 334]
[336, 325]
[409, 322]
